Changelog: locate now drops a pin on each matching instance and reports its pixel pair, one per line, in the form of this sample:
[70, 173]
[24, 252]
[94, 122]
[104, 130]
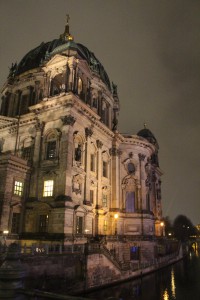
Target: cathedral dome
[45, 51]
[148, 135]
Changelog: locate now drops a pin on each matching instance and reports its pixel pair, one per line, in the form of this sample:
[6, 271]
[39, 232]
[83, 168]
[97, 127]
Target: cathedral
[66, 173]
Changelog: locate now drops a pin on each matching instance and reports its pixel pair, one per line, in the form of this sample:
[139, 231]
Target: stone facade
[67, 173]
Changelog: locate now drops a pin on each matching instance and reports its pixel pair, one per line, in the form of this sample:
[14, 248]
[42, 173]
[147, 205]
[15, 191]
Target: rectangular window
[43, 223]
[48, 188]
[105, 169]
[51, 150]
[27, 153]
[92, 162]
[105, 225]
[18, 188]
[91, 196]
[15, 223]
[79, 225]
[104, 200]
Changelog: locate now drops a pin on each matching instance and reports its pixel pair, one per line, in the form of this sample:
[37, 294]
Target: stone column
[99, 186]
[115, 179]
[66, 156]
[37, 156]
[141, 159]
[88, 134]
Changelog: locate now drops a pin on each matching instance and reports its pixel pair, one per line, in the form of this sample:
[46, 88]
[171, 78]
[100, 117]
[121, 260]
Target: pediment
[56, 59]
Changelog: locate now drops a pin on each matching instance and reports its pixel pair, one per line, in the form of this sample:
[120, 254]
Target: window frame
[43, 222]
[48, 190]
[15, 226]
[79, 225]
[18, 189]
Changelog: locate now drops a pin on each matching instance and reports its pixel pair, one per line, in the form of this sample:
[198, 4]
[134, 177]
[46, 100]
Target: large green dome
[45, 51]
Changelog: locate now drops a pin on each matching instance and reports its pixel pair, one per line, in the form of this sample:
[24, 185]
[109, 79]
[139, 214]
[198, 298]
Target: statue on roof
[114, 88]
[13, 70]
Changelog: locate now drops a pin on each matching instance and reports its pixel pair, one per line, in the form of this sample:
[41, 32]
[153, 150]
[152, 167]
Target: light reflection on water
[180, 281]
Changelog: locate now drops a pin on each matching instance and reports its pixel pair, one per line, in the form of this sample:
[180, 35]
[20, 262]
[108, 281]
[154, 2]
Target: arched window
[130, 202]
[57, 85]
[80, 86]
[130, 194]
[78, 149]
[51, 145]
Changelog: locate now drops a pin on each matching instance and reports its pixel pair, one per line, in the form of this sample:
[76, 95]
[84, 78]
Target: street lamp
[5, 234]
[162, 224]
[116, 216]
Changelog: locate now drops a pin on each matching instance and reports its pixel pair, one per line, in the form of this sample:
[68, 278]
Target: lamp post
[116, 216]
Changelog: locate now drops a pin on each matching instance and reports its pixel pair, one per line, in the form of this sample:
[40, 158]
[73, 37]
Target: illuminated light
[169, 233]
[70, 37]
[116, 216]
[86, 230]
[173, 286]
[48, 188]
[166, 295]
[162, 224]
[5, 232]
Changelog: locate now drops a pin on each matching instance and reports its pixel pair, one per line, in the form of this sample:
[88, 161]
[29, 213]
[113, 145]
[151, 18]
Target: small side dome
[148, 135]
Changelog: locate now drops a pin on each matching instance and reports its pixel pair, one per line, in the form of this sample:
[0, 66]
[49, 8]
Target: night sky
[151, 50]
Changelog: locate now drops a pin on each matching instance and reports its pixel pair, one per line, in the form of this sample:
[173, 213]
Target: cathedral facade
[67, 173]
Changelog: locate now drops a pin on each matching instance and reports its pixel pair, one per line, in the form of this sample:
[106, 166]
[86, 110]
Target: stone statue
[114, 88]
[78, 153]
[115, 121]
[13, 70]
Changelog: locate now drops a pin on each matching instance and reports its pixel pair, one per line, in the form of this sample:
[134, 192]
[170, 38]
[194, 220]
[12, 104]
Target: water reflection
[173, 286]
[166, 295]
[176, 282]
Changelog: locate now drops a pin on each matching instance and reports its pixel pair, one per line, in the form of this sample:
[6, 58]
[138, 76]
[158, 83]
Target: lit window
[105, 169]
[104, 200]
[92, 162]
[79, 224]
[18, 188]
[105, 225]
[15, 223]
[43, 223]
[48, 188]
[51, 149]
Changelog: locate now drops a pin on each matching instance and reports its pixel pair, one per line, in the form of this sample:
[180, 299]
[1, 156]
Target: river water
[180, 281]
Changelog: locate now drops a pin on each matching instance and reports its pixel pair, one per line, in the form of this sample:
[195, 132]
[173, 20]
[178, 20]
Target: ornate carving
[39, 126]
[76, 184]
[99, 144]
[130, 155]
[13, 129]
[115, 152]
[141, 156]
[88, 132]
[68, 120]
